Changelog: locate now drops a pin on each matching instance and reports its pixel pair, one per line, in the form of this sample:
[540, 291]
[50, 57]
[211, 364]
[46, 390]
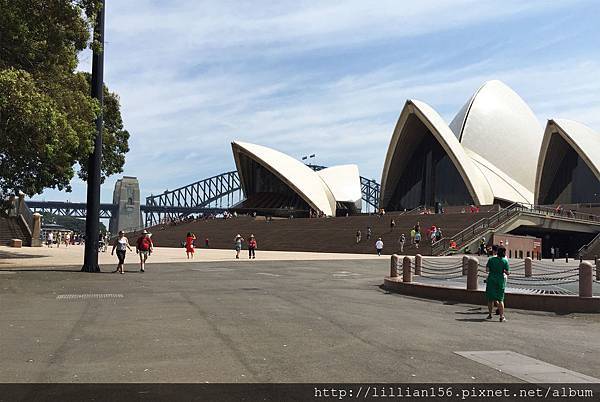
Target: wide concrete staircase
[13, 228]
[316, 234]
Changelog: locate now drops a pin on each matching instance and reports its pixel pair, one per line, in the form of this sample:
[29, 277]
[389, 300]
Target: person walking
[50, 239]
[412, 236]
[144, 248]
[67, 239]
[417, 239]
[392, 225]
[552, 253]
[402, 240]
[358, 236]
[498, 271]
[252, 247]
[369, 233]
[238, 245]
[121, 245]
[189, 245]
[379, 246]
[206, 242]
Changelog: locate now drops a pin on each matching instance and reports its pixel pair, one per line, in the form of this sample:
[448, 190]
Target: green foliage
[47, 116]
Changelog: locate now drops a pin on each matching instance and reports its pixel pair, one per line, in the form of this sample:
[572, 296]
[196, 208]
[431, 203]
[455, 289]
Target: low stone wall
[553, 303]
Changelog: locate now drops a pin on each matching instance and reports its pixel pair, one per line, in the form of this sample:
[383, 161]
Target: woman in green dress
[496, 281]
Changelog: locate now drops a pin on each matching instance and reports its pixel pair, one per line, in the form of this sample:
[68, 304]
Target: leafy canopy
[47, 115]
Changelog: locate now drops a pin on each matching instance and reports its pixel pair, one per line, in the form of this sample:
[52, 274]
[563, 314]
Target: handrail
[587, 246]
[25, 212]
[410, 211]
[485, 223]
[472, 230]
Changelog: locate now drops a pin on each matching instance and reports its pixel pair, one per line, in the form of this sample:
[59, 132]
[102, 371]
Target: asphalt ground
[261, 321]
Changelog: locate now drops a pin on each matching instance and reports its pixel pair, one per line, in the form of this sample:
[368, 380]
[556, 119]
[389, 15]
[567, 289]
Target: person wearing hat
[238, 245]
[251, 247]
[144, 248]
[121, 245]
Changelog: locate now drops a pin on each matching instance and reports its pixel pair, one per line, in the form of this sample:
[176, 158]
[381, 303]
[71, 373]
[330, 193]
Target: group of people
[143, 247]
[252, 245]
[65, 238]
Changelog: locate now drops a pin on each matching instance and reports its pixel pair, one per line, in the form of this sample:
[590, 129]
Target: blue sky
[326, 77]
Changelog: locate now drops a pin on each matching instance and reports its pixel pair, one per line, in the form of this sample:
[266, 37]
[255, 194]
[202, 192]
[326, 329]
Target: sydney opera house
[494, 151]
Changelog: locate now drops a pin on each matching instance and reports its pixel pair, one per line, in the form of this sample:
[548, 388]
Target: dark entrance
[566, 241]
[266, 194]
[566, 179]
[427, 176]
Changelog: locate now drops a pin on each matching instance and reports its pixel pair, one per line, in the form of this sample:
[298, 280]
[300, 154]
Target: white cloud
[194, 76]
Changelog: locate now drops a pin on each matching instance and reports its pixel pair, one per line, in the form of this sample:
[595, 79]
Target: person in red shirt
[251, 247]
[144, 248]
[189, 245]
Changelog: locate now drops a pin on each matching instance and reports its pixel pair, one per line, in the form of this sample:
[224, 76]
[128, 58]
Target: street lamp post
[92, 219]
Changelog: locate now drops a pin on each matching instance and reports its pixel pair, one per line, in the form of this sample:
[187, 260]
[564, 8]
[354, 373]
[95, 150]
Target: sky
[326, 77]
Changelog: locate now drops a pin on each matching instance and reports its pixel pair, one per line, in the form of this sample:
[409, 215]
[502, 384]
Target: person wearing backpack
[144, 248]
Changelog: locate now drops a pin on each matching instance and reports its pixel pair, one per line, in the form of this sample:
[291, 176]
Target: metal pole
[92, 219]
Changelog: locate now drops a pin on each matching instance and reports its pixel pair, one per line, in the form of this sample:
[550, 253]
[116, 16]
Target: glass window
[424, 174]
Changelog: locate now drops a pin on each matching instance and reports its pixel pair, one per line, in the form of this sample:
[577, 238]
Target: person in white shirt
[379, 246]
[121, 244]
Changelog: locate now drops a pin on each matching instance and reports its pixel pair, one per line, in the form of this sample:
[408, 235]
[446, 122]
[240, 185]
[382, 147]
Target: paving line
[88, 296]
[526, 368]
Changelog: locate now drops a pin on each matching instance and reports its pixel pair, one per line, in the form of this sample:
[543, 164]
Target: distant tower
[127, 196]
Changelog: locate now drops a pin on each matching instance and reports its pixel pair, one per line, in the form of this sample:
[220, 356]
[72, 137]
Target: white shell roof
[344, 183]
[498, 125]
[502, 186]
[302, 179]
[473, 178]
[584, 140]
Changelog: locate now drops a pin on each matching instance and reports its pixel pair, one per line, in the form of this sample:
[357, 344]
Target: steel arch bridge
[221, 192]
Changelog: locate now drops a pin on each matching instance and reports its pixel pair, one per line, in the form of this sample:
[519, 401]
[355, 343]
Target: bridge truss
[212, 195]
[224, 191]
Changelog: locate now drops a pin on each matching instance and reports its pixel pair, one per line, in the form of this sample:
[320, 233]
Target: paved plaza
[262, 321]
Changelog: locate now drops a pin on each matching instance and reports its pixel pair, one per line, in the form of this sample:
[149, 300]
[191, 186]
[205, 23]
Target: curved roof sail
[561, 137]
[297, 176]
[498, 125]
[402, 144]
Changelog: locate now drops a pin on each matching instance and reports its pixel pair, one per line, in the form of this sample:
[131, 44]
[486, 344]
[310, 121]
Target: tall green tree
[47, 115]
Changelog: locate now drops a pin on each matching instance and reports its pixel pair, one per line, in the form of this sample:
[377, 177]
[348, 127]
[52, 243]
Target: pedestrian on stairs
[358, 236]
[379, 246]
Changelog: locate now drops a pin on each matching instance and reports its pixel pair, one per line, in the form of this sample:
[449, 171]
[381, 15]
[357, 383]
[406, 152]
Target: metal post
[585, 279]
[528, 267]
[92, 219]
[465, 265]
[406, 274]
[472, 274]
[418, 263]
[394, 265]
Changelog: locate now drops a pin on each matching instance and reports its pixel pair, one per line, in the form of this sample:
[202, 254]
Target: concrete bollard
[528, 267]
[472, 274]
[406, 274]
[418, 262]
[585, 279]
[465, 265]
[395, 262]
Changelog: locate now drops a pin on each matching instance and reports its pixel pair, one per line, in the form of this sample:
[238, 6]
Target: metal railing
[475, 230]
[485, 224]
